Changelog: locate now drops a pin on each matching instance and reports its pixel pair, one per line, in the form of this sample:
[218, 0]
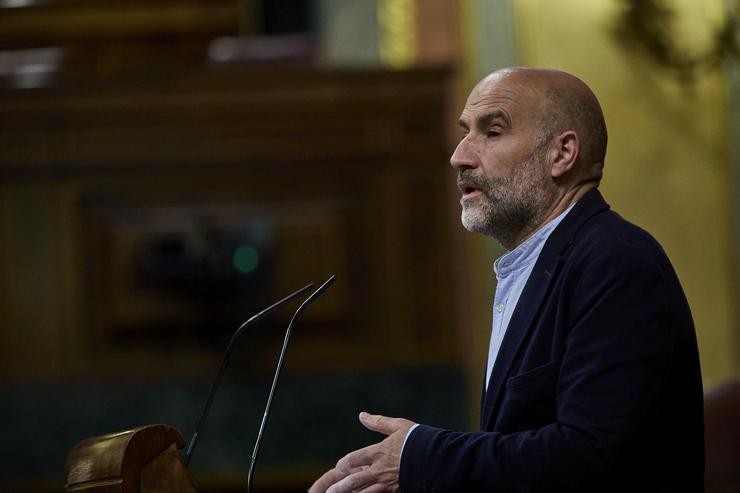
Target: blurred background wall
[167, 168]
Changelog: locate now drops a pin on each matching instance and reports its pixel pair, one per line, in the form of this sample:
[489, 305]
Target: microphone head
[320, 290]
[275, 305]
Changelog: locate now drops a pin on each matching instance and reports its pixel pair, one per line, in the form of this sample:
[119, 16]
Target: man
[593, 379]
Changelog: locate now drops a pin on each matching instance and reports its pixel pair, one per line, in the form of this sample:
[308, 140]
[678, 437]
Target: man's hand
[371, 469]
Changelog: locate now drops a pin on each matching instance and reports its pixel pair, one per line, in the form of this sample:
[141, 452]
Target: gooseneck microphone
[255, 453]
[225, 361]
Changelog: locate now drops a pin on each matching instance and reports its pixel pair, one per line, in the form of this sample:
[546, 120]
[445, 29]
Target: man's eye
[493, 133]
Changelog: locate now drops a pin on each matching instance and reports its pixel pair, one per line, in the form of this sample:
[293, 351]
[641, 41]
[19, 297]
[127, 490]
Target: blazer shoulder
[608, 248]
[610, 232]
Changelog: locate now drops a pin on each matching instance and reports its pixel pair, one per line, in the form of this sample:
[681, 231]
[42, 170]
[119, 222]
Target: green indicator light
[246, 259]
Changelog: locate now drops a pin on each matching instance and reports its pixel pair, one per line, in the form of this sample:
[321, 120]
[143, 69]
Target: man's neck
[561, 204]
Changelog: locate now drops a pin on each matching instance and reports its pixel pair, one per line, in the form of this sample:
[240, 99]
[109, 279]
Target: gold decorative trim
[397, 33]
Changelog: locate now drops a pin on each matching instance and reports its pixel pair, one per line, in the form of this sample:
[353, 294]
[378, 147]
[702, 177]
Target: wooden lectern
[142, 460]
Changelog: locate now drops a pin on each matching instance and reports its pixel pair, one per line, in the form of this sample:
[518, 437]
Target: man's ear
[567, 147]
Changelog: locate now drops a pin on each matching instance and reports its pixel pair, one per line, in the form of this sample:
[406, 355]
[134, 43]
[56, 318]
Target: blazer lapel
[538, 285]
[526, 309]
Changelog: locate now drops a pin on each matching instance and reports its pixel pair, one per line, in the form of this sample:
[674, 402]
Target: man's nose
[464, 156]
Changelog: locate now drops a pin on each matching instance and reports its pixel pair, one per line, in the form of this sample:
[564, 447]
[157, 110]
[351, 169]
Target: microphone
[225, 360]
[255, 453]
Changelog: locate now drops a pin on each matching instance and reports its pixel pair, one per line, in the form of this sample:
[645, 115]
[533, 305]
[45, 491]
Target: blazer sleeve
[620, 308]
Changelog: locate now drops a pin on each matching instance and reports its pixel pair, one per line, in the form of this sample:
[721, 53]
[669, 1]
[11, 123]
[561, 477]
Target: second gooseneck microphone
[255, 453]
[225, 361]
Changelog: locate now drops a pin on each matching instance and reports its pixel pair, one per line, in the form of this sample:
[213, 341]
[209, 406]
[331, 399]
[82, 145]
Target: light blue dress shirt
[512, 272]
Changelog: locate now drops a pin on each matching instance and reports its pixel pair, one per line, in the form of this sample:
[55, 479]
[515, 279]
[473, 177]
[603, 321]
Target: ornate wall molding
[647, 25]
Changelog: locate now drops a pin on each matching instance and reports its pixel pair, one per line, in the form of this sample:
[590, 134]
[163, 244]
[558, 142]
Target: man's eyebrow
[488, 118]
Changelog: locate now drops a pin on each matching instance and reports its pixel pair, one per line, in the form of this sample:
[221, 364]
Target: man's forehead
[499, 95]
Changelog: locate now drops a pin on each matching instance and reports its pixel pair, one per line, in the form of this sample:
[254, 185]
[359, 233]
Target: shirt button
[500, 307]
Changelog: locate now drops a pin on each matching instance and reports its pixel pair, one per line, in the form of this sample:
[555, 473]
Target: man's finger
[354, 482]
[374, 488]
[382, 424]
[325, 481]
[356, 460]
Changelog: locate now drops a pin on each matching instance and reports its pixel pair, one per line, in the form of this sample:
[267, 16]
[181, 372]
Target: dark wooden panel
[348, 166]
[234, 118]
[63, 22]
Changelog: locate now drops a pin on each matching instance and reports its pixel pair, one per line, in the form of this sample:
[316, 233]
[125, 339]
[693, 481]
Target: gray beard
[512, 206]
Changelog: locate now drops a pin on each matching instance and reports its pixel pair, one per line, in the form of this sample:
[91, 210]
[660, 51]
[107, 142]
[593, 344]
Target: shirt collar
[527, 252]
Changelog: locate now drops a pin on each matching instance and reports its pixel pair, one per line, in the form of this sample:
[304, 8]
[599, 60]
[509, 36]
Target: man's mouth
[467, 188]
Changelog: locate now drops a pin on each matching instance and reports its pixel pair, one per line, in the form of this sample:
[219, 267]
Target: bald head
[560, 102]
[533, 144]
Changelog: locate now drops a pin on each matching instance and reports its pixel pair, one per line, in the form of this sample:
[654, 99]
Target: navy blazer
[596, 386]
